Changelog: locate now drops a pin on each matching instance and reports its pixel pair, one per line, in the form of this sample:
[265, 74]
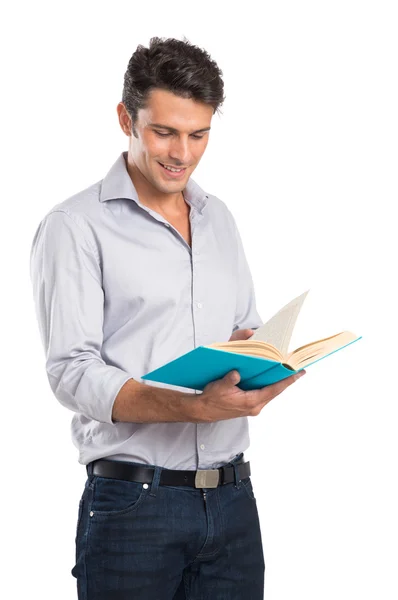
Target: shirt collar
[117, 184]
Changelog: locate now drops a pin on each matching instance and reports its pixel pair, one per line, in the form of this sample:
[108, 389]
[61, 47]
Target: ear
[124, 119]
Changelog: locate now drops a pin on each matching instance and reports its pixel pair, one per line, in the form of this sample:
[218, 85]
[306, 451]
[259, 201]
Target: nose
[180, 152]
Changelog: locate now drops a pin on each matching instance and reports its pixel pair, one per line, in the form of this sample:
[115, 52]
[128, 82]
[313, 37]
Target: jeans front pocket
[247, 485]
[116, 497]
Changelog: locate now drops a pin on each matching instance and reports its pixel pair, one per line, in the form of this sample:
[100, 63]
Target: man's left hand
[241, 334]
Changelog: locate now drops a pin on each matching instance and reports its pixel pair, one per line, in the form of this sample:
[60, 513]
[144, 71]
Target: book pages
[278, 330]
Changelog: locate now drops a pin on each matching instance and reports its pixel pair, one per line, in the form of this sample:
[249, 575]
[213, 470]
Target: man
[128, 274]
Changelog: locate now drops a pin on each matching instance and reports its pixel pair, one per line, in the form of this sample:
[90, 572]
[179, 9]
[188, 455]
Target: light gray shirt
[118, 292]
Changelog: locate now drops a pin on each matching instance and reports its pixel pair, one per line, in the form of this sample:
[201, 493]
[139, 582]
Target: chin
[172, 188]
[171, 185]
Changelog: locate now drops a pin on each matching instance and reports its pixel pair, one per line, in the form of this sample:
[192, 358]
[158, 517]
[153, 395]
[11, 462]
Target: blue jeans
[156, 542]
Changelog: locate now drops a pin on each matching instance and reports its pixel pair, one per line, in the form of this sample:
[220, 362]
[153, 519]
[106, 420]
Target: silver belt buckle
[207, 478]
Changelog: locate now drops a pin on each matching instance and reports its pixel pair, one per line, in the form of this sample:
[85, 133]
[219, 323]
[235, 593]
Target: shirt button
[167, 225]
[145, 486]
[202, 446]
[199, 305]
[197, 252]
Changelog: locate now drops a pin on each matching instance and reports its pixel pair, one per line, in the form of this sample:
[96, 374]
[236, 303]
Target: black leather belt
[204, 478]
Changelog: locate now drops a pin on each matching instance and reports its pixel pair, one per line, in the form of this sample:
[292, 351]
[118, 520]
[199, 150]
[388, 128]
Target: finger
[270, 391]
[276, 389]
[231, 378]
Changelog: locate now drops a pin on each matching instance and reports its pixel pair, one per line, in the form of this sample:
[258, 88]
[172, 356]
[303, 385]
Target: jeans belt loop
[236, 473]
[155, 481]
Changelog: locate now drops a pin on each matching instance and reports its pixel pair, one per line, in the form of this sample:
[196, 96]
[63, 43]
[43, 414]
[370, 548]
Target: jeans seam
[222, 520]
[85, 541]
[185, 580]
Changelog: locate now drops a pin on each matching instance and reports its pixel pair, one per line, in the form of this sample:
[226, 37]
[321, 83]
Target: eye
[162, 134]
[198, 137]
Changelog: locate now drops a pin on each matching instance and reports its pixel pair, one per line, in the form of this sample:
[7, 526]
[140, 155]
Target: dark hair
[173, 65]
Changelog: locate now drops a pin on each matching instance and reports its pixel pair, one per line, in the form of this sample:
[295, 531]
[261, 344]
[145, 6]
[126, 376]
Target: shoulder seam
[66, 212]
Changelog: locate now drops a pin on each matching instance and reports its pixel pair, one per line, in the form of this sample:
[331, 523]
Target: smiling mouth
[173, 169]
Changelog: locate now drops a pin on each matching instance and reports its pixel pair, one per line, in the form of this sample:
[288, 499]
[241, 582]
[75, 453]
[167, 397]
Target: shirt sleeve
[69, 301]
[246, 315]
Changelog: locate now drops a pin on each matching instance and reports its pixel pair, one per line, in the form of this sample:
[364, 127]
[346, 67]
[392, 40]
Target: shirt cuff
[96, 393]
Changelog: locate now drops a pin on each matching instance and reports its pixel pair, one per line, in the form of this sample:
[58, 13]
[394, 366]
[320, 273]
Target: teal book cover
[204, 364]
[261, 360]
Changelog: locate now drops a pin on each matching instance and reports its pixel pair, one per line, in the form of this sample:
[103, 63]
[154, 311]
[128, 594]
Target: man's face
[170, 132]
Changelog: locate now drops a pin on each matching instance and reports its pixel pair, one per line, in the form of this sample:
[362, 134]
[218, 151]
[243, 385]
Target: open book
[272, 339]
[261, 360]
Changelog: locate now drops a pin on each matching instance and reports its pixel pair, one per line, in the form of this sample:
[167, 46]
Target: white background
[305, 156]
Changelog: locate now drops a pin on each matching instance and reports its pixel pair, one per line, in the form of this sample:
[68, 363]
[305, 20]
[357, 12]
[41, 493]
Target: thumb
[241, 334]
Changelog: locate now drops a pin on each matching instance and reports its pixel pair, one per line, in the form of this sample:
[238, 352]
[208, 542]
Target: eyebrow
[173, 130]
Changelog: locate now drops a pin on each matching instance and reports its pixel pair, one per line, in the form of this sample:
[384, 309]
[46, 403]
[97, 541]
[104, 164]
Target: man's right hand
[222, 399]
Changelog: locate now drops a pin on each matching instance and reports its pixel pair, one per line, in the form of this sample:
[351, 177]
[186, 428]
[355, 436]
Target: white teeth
[173, 170]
